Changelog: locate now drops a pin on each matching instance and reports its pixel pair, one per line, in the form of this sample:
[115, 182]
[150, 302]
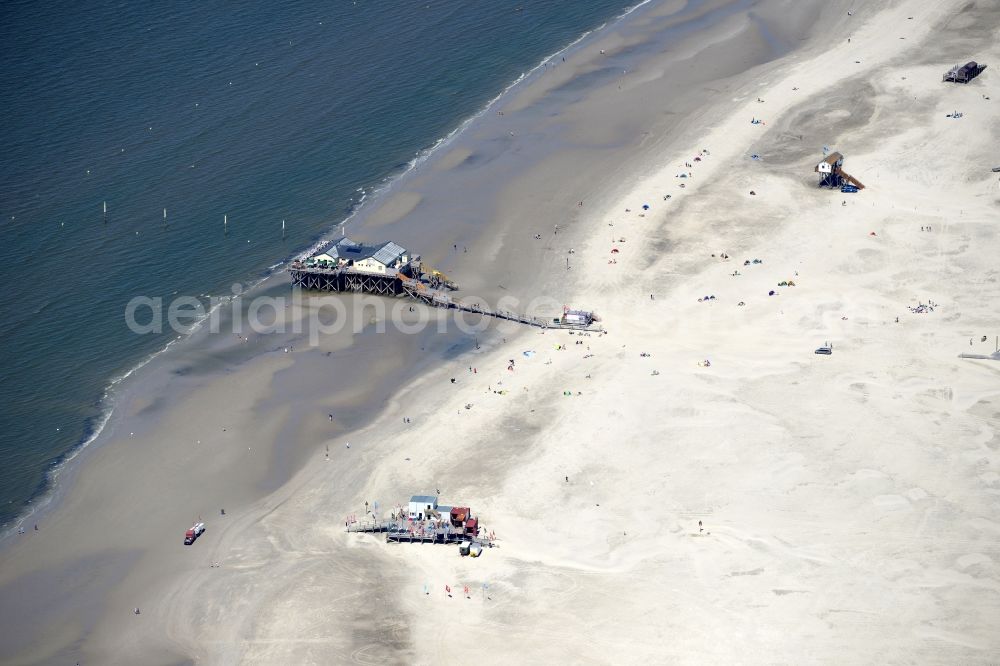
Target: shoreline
[41, 499]
[502, 454]
[47, 498]
[373, 198]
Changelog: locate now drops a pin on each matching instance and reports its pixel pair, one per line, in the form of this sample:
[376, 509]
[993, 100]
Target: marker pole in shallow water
[225, 225]
[164, 217]
[105, 212]
[282, 230]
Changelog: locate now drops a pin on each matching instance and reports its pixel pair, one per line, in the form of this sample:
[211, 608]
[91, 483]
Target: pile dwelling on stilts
[964, 73]
[831, 174]
[388, 269]
[426, 521]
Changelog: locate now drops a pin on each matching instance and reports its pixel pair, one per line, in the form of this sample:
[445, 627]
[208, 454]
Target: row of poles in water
[225, 220]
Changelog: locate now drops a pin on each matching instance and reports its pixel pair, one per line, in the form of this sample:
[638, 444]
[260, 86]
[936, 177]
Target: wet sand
[845, 500]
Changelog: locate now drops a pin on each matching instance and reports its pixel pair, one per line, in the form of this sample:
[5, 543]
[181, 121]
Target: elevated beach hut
[830, 163]
[577, 318]
[831, 173]
[964, 73]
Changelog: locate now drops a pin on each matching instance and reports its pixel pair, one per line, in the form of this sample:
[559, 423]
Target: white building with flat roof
[420, 505]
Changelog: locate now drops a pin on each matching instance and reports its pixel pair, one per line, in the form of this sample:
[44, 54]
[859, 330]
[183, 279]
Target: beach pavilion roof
[338, 248]
[388, 253]
[345, 248]
[424, 499]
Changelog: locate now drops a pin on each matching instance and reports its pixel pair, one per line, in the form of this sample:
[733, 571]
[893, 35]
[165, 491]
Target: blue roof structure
[424, 499]
[389, 253]
[337, 248]
[345, 248]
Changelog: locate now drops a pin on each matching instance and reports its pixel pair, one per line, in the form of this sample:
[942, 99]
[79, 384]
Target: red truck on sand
[193, 533]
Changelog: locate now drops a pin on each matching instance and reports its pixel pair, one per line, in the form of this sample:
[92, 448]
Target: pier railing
[407, 532]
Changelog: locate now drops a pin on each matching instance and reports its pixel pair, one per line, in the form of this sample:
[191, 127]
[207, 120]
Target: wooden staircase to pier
[848, 178]
[439, 299]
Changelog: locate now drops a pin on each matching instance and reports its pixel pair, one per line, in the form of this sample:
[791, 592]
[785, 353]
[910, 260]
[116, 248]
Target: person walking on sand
[700, 528]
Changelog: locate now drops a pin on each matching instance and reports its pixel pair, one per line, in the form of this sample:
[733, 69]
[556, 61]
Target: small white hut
[830, 163]
[420, 505]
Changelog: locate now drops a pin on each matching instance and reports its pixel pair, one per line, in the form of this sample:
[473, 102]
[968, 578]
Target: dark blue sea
[261, 112]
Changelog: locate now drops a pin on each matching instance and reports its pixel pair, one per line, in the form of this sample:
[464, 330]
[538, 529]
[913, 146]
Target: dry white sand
[849, 502]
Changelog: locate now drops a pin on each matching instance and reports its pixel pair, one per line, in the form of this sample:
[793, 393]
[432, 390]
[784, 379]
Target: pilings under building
[389, 270]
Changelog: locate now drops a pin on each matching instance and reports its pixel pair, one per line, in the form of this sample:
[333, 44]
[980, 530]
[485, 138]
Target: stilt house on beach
[831, 173]
[964, 73]
[388, 269]
[368, 258]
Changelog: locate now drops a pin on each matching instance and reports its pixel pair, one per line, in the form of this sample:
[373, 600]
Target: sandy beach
[692, 485]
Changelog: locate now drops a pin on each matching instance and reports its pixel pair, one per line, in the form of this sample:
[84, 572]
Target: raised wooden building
[964, 73]
[831, 173]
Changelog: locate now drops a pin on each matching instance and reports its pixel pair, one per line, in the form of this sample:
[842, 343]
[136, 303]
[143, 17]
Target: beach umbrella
[645, 206]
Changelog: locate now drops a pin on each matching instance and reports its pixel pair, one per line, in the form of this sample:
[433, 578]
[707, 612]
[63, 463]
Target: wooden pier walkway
[440, 299]
[398, 283]
[396, 532]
